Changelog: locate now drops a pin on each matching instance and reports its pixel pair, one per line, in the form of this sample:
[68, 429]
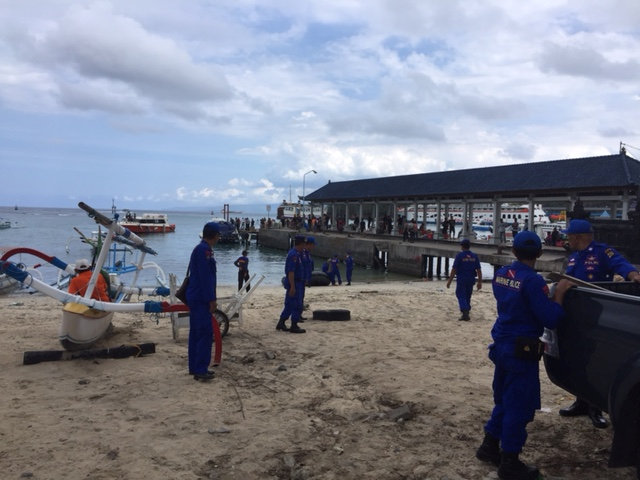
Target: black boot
[282, 326]
[465, 316]
[595, 414]
[577, 408]
[512, 468]
[489, 451]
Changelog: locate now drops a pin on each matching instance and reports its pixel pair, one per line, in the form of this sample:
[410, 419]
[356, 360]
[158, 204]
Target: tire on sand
[336, 314]
[223, 321]
[319, 279]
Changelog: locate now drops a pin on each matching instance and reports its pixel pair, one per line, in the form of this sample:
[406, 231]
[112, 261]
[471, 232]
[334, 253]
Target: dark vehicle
[595, 354]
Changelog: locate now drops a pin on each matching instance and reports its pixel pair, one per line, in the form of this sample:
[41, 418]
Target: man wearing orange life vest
[78, 284]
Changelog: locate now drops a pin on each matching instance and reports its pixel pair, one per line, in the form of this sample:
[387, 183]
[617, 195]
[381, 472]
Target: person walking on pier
[294, 285]
[466, 266]
[592, 262]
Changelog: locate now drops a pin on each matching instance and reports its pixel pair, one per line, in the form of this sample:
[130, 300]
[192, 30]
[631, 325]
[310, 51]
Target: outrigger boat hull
[82, 326]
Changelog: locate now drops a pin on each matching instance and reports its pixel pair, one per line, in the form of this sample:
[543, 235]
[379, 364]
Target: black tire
[332, 315]
[319, 279]
[223, 322]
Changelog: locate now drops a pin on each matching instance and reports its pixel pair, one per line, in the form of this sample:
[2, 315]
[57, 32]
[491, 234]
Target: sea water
[51, 231]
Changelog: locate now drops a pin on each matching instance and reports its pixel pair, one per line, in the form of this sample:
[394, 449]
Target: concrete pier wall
[403, 257]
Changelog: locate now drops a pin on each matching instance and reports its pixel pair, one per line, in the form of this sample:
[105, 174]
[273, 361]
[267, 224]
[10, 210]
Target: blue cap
[578, 226]
[311, 240]
[299, 239]
[527, 240]
[465, 242]
[210, 229]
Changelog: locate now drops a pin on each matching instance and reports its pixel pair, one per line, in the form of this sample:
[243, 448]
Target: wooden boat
[84, 319]
[148, 223]
[82, 325]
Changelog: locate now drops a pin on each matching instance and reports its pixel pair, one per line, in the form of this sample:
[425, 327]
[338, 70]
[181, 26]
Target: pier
[421, 258]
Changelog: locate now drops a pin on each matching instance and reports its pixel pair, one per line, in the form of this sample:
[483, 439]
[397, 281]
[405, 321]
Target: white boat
[289, 210]
[82, 326]
[84, 319]
[147, 223]
[482, 214]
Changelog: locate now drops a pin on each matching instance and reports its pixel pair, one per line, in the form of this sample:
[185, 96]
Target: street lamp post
[303, 190]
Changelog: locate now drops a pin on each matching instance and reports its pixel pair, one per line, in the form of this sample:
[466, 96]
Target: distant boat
[16, 207]
[228, 232]
[5, 224]
[148, 223]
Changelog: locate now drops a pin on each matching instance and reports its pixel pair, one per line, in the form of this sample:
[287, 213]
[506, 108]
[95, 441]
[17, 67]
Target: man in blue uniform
[524, 309]
[593, 262]
[334, 271]
[307, 266]
[243, 270]
[201, 299]
[466, 266]
[294, 286]
[348, 266]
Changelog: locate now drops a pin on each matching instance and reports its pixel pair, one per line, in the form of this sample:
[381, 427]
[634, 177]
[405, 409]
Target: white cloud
[233, 101]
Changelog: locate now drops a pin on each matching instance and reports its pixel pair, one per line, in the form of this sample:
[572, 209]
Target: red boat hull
[138, 228]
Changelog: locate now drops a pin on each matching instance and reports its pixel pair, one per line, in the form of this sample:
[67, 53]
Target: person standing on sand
[307, 267]
[201, 299]
[335, 271]
[243, 270]
[524, 310]
[348, 264]
[294, 286]
[466, 266]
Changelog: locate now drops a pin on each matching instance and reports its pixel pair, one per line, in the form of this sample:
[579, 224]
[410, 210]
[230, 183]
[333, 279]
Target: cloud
[104, 60]
[583, 61]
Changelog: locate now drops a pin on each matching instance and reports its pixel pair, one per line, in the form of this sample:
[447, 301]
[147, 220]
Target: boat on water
[4, 224]
[147, 223]
[482, 214]
[228, 231]
[289, 210]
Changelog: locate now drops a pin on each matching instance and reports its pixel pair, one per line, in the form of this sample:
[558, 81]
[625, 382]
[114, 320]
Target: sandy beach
[282, 406]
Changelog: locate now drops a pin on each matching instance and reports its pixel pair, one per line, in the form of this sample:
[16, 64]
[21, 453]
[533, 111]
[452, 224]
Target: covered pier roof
[604, 175]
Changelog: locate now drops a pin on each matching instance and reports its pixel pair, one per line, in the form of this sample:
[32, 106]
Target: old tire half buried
[332, 315]
[319, 279]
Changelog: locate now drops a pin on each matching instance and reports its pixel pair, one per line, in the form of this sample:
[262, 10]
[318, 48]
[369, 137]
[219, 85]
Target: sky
[163, 104]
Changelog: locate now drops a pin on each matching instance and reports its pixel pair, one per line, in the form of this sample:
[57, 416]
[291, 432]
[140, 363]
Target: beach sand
[312, 406]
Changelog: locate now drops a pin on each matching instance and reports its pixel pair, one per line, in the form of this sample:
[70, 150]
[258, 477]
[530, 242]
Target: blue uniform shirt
[598, 263]
[202, 276]
[293, 263]
[242, 263]
[348, 261]
[466, 264]
[524, 306]
[307, 264]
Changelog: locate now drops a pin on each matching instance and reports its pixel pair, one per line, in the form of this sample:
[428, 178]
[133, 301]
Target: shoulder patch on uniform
[610, 253]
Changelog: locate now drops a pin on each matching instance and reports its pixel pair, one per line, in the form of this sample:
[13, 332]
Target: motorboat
[147, 223]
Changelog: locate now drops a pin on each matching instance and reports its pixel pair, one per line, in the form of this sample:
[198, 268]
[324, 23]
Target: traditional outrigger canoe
[86, 320]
